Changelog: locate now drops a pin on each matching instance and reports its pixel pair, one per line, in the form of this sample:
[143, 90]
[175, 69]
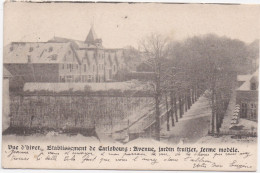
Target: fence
[238, 133]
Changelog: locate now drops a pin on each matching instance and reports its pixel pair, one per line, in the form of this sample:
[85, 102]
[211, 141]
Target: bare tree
[155, 49]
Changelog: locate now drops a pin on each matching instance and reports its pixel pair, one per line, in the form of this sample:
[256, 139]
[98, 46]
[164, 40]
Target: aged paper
[130, 86]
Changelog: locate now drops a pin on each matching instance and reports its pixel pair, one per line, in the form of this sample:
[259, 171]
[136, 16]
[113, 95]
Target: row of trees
[181, 69]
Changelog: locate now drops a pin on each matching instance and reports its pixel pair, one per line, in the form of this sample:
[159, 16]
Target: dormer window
[50, 49]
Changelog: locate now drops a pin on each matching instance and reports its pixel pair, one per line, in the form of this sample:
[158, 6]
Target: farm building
[62, 60]
[247, 97]
[6, 101]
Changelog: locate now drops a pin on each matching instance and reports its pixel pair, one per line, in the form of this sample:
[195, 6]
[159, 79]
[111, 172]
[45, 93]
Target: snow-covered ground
[226, 139]
[50, 137]
[191, 127]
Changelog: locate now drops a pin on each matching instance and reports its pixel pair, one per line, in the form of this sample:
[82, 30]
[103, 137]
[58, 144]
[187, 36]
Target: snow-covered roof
[75, 43]
[60, 87]
[6, 73]
[33, 52]
[86, 56]
[246, 85]
[242, 78]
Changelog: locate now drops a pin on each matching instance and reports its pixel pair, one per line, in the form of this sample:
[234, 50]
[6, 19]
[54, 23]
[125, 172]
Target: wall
[74, 111]
[248, 97]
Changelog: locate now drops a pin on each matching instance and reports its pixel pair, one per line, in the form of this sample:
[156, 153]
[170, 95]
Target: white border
[105, 171]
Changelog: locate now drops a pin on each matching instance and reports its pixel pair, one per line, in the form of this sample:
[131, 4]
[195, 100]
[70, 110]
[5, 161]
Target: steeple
[92, 37]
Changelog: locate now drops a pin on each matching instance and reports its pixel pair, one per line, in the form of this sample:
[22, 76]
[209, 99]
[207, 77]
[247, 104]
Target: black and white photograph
[114, 75]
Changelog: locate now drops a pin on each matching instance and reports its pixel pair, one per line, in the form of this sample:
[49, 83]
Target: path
[193, 126]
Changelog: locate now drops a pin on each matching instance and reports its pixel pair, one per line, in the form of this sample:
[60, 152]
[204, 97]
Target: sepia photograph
[162, 83]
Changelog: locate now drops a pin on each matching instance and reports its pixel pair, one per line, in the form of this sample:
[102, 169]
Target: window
[85, 67]
[114, 68]
[62, 66]
[50, 49]
[89, 78]
[29, 58]
[31, 49]
[253, 111]
[93, 68]
[243, 112]
[62, 79]
[253, 86]
[68, 66]
[77, 66]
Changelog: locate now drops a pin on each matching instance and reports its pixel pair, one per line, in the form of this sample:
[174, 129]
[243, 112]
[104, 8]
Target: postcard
[143, 86]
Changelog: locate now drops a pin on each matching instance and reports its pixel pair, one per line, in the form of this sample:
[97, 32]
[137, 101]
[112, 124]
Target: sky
[123, 24]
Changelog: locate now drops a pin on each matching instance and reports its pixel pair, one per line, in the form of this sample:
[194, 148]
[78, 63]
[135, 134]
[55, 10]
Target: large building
[247, 96]
[63, 60]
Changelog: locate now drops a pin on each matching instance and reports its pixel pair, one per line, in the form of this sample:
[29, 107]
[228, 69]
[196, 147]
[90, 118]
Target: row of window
[71, 67]
[249, 110]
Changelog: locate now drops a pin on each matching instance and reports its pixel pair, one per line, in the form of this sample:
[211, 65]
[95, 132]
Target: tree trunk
[185, 102]
[180, 105]
[188, 99]
[175, 108]
[172, 107]
[213, 112]
[192, 95]
[167, 112]
[157, 117]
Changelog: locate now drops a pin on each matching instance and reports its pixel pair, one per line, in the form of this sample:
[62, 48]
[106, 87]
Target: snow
[226, 139]
[231, 118]
[50, 137]
[243, 77]
[59, 87]
[199, 109]
[142, 141]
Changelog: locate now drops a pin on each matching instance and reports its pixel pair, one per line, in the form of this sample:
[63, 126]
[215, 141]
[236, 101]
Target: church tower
[92, 38]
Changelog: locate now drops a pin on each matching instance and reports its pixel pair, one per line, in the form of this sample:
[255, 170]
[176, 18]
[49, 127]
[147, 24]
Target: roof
[90, 46]
[243, 78]
[84, 56]
[246, 85]
[34, 52]
[6, 73]
[91, 36]
[75, 43]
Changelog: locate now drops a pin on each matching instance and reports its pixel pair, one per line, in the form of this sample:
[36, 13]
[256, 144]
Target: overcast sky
[120, 25]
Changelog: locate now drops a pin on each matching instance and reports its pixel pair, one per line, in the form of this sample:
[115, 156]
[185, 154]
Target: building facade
[63, 60]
